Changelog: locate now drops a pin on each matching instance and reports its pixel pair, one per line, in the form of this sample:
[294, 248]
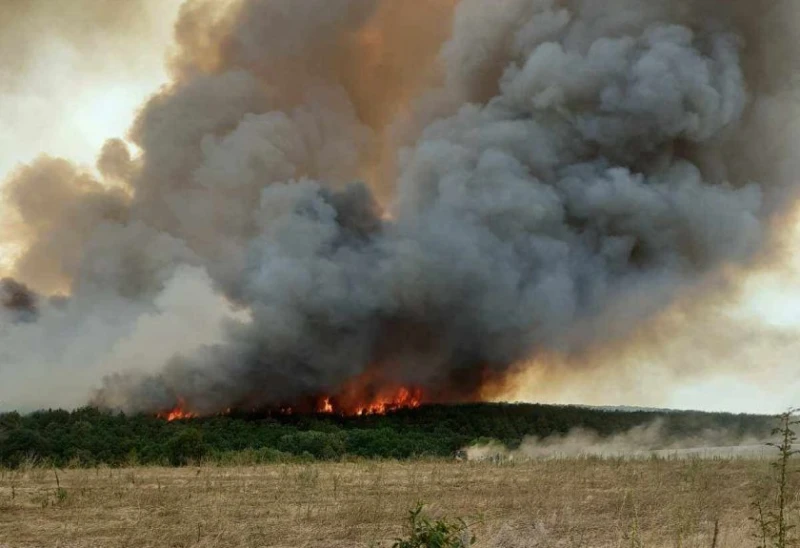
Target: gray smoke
[572, 169]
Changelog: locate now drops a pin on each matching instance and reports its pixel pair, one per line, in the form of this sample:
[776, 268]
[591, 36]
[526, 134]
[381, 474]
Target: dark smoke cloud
[18, 300]
[571, 173]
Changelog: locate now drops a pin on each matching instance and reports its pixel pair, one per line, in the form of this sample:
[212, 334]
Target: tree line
[89, 437]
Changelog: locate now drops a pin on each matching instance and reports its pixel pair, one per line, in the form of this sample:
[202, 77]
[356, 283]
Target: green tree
[185, 446]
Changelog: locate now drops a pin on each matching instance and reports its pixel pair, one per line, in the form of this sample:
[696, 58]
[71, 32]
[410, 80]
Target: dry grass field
[570, 503]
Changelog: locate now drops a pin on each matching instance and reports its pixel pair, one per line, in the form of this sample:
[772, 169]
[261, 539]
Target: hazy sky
[70, 91]
[69, 84]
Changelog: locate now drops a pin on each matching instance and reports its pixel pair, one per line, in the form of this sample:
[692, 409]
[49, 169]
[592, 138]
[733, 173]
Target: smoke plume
[420, 194]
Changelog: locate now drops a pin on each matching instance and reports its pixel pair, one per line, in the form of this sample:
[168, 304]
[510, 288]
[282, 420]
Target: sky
[67, 97]
[63, 106]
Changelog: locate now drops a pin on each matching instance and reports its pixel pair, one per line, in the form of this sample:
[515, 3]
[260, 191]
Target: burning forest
[368, 205]
[351, 402]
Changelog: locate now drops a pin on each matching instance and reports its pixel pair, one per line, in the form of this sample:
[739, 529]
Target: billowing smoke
[422, 193]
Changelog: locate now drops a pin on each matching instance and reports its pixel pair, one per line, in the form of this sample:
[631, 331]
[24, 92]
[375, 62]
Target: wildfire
[326, 406]
[179, 412]
[385, 401]
[363, 396]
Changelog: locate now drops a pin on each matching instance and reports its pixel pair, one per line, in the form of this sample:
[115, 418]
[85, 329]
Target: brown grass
[571, 503]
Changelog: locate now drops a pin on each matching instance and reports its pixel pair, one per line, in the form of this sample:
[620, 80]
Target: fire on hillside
[355, 400]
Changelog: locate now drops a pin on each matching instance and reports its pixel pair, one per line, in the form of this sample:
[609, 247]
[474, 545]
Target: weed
[307, 477]
[60, 492]
[61, 495]
[440, 533]
[773, 527]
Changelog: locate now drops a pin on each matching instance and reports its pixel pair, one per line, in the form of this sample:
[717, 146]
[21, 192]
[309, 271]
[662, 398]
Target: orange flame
[326, 406]
[385, 401]
[362, 396]
[179, 412]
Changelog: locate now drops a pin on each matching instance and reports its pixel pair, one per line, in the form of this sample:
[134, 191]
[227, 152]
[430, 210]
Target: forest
[89, 437]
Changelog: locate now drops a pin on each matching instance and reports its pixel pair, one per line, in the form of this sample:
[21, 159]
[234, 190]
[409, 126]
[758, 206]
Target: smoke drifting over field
[645, 441]
[419, 194]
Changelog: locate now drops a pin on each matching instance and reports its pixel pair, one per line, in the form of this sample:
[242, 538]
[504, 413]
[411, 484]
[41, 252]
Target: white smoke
[645, 441]
[88, 339]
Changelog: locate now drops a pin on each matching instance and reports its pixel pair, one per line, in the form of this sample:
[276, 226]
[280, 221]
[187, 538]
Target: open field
[570, 503]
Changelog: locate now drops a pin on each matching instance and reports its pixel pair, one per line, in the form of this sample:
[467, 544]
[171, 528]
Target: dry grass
[571, 503]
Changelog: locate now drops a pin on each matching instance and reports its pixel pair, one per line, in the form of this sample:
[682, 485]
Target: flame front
[354, 402]
[179, 412]
[361, 397]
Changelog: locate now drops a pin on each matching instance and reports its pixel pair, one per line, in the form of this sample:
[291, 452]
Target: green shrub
[440, 533]
[186, 446]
